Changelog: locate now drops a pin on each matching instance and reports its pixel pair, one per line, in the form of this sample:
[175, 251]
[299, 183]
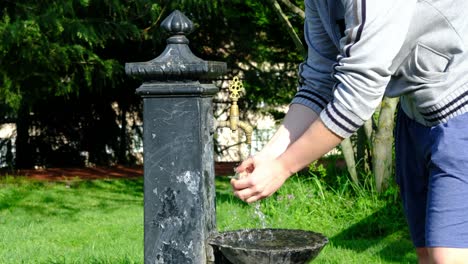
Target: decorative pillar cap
[177, 62]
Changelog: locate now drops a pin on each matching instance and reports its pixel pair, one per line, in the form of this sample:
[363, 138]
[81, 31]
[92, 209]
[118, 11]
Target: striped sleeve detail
[339, 120]
[454, 104]
[448, 109]
[312, 99]
[359, 8]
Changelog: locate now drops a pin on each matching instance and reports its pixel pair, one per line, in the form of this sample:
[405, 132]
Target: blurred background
[65, 100]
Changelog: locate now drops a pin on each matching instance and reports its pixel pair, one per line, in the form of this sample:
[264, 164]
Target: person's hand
[264, 177]
[247, 166]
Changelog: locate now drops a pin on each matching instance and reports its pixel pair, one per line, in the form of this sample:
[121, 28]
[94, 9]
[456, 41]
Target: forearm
[315, 142]
[297, 121]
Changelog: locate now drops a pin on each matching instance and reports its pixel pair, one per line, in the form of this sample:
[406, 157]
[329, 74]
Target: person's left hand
[265, 179]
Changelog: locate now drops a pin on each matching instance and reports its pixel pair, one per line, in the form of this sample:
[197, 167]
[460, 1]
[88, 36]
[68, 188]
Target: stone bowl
[268, 246]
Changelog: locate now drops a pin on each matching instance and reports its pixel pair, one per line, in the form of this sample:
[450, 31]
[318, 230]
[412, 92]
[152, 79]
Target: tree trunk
[364, 147]
[348, 153]
[292, 33]
[24, 157]
[122, 154]
[368, 129]
[294, 8]
[383, 144]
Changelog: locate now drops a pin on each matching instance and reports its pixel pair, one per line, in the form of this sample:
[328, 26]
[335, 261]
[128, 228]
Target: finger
[246, 165]
[254, 198]
[250, 168]
[244, 194]
[233, 182]
[241, 183]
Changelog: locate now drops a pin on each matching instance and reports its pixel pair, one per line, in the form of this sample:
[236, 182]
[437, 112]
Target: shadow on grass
[67, 199]
[131, 187]
[382, 227]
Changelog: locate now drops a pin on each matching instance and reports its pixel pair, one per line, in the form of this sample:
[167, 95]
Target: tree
[57, 52]
[62, 68]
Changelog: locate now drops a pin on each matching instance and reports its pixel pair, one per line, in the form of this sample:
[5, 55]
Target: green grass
[101, 221]
[76, 222]
[362, 226]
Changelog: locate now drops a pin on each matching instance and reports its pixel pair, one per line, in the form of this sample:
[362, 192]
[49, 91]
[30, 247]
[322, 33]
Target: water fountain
[179, 195]
[269, 246]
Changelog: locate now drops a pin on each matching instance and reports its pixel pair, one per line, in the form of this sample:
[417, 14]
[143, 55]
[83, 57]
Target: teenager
[359, 51]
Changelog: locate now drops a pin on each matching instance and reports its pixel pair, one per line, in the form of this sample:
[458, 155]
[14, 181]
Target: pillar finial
[178, 26]
[176, 62]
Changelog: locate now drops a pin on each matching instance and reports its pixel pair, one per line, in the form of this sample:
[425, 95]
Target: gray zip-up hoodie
[359, 50]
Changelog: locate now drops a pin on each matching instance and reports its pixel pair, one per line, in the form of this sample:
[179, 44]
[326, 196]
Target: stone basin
[268, 246]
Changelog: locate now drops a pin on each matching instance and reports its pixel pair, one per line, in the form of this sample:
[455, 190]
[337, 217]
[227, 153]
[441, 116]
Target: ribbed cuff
[316, 108]
[311, 98]
[454, 104]
[340, 120]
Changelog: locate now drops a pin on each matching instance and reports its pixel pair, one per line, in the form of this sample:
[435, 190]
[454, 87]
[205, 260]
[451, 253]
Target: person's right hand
[246, 166]
[265, 178]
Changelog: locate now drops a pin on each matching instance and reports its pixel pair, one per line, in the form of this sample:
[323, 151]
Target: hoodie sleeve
[375, 32]
[315, 73]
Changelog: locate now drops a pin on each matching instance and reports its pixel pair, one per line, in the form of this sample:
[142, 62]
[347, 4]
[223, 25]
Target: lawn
[101, 221]
[362, 227]
[97, 221]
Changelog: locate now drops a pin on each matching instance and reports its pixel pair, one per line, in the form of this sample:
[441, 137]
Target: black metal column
[178, 149]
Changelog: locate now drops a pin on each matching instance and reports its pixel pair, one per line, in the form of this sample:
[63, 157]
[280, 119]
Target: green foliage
[366, 197]
[317, 170]
[250, 38]
[52, 49]
[62, 57]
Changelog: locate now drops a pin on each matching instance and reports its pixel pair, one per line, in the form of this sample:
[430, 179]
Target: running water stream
[256, 205]
[260, 214]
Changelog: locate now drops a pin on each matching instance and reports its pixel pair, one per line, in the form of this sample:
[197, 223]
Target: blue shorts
[432, 172]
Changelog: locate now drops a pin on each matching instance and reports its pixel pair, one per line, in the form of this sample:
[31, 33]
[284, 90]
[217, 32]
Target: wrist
[284, 168]
[273, 151]
[264, 155]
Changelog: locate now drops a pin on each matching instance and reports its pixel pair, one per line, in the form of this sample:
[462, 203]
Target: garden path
[91, 173]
